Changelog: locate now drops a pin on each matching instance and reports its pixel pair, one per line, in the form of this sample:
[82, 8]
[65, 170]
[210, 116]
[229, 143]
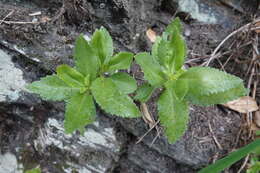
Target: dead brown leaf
[257, 118]
[243, 105]
[253, 127]
[151, 35]
[146, 115]
[257, 24]
[45, 19]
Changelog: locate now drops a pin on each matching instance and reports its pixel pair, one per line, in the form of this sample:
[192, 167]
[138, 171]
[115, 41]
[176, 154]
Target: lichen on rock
[11, 78]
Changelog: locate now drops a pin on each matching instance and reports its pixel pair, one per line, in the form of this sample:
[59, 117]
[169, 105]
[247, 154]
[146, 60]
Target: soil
[38, 44]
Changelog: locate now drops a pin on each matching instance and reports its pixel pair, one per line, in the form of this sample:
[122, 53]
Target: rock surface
[8, 163]
[11, 78]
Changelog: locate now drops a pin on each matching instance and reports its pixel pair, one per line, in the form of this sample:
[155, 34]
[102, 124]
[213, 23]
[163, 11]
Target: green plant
[235, 156]
[163, 68]
[254, 166]
[94, 76]
[35, 170]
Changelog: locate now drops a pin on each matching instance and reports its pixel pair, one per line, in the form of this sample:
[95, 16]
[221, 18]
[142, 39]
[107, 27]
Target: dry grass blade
[146, 133]
[214, 137]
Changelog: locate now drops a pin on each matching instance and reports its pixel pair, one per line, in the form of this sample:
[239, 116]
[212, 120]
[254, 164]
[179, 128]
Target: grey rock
[182, 151]
[210, 12]
[188, 150]
[9, 164]
[11, 78]
[95, 151]
[198, 11]
[153, 162]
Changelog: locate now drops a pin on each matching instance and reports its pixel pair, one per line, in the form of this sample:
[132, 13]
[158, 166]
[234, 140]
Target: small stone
[102, 5]
[187, 32]
[34, 20]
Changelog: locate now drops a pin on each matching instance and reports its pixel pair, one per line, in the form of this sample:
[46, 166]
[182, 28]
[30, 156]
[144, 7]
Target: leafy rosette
[199, 85]
[95, 77]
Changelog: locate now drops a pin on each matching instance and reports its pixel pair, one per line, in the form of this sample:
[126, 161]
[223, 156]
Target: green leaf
[180, 88]
[175, 24]
[173, 115]
[257, 132]
[112, 100]
[70, 76]
[35, 170]
[102, 44]
[120, 61]
[170, 49]
[207, 81]
[179, 50]
[144, 92]
[217, 98]
[87, 63]
[164, 53]
[124, 82]
[155, 48]
[256, 152]
[254, 166]
[80, 111]
[233, 157]
[160, 52]
[52, 88]
[152, 70]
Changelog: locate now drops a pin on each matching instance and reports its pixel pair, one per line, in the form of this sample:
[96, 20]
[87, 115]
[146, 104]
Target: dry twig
[156, 137]
[243, 28]
[9, 14]
[214, 137]
[244, 164]
[146, 133]
[19, 22]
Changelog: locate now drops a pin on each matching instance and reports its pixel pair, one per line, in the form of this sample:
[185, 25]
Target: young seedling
[163, 68]
[94, 76]
[35, 170]
[254, 165]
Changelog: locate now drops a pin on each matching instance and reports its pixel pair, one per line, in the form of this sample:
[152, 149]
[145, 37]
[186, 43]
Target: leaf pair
[170, 49]
[97, 56]
[79, 86]
[199, 85]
